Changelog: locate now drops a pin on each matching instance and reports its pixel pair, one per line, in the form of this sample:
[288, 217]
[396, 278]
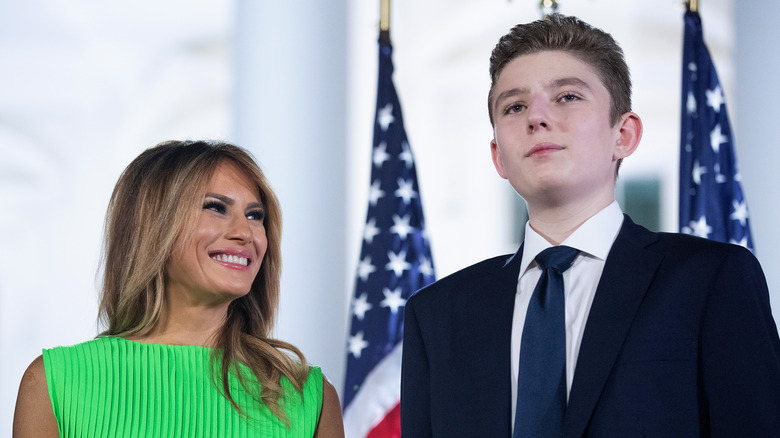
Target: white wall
[756, 114]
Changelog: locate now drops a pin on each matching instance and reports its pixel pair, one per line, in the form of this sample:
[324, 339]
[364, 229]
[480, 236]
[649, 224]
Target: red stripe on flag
[390, 426]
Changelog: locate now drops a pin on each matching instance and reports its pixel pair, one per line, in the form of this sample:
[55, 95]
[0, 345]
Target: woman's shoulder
[33, 415]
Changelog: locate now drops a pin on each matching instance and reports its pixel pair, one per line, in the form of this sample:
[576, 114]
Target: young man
[649, 334]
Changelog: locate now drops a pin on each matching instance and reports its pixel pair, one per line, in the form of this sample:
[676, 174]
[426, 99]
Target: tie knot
[559, 258]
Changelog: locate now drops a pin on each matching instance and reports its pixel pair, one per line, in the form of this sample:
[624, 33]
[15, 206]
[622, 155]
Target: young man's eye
[256, 215]
[215, 206]
[569, 97]
[515, 108]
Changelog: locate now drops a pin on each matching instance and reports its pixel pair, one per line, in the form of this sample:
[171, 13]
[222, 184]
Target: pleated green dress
[112, 387]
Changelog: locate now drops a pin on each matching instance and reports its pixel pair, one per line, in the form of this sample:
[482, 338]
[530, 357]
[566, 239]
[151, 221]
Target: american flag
[395, 261]
[712, 204]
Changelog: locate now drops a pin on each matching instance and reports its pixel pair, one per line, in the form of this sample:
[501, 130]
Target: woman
[190, 292]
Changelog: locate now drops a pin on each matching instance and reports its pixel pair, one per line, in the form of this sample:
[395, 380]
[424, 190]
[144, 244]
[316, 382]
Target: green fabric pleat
[112, 387]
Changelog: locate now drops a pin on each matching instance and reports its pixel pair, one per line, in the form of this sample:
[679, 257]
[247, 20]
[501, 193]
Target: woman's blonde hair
[154, 206]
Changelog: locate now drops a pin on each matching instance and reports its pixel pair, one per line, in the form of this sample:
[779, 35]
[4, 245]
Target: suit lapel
[627, 274]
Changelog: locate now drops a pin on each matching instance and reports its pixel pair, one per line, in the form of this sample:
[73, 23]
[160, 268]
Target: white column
[290, 112]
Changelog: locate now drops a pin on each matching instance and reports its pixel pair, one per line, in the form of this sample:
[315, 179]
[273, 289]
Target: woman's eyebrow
[223, 198]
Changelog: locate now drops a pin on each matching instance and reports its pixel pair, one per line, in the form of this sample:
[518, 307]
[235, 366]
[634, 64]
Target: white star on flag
[357, 344]
[380, 155]
[715, 98]
[385, 117]
[398, 263]
[426, 268]
[719, 177]
[374, 193]
[698, 171]
[401, 226]
[717, 138]
[742, 242]
[393, 299]
[740, 212]
[365, 267]
[691, 104]
[405, 190]
[361, 305]
[700, 227]
[371, 230]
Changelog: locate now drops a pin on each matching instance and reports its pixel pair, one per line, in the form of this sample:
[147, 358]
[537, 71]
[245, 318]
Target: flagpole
[384, 21]
[692, 5]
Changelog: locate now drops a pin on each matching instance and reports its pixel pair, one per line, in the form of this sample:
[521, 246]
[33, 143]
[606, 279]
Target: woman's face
[222, 254]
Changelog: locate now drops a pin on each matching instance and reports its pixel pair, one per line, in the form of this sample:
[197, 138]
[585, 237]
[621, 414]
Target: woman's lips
[232, 258]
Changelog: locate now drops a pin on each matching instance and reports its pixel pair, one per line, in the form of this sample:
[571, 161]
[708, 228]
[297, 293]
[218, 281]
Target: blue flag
[395, 261]
[712, 204]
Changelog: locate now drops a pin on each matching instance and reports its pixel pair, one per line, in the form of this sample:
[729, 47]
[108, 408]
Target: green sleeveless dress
[112, 387]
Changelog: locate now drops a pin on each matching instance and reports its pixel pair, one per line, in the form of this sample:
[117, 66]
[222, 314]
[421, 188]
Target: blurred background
[86, 85]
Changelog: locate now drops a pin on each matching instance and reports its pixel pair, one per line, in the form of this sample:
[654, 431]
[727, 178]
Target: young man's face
[552, 135]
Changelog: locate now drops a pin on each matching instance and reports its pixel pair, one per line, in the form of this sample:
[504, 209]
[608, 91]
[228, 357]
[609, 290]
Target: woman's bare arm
[331, 424]
[34, 416]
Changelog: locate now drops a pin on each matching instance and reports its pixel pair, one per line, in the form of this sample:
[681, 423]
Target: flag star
[357, 344]
[717, 138]
[401, 226]
[740, 212]
[714, 98]
[361, 305]
[742, 242]
[406, 155]
[738, 177]
[719, 177]
[426, 268]
[365, 268]
[393, 299]
[374, 193]
[397, 263]
[691, 103]
[385, 117]
[370, 231]
[405, 190]
[700, 228]
[698, 171]
[380, 154]
[692, 66]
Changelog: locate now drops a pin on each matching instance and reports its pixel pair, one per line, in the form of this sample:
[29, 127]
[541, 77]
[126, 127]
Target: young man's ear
[495, 153]
[629, 134]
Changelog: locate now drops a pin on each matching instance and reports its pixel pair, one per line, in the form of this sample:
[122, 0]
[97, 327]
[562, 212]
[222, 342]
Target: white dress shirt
[593, 239]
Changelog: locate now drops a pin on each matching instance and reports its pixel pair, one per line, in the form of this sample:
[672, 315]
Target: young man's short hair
[590, 45]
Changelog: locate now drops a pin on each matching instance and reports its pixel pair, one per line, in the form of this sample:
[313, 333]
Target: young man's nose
[538, 115]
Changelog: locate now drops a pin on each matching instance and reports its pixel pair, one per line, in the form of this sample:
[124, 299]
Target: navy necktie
[541, 380]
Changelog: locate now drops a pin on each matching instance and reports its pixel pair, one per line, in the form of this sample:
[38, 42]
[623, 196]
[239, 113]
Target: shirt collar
[594, 237]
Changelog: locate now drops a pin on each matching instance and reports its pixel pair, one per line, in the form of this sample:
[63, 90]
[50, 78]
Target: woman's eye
[256, 215]
[215, 206]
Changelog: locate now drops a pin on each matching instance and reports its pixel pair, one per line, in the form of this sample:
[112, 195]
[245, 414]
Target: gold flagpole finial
[692, 5]
[548, 7]
[384, 15]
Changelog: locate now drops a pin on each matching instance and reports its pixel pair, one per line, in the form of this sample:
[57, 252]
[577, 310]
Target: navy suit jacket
[680, 341]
